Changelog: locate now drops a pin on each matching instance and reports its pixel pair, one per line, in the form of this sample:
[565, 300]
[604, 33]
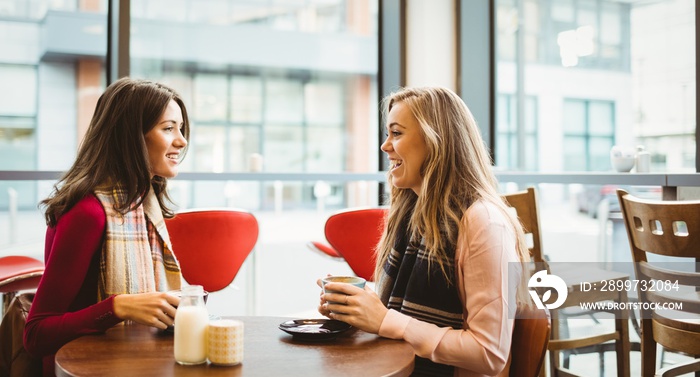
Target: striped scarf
[136, 256]
[407, 285]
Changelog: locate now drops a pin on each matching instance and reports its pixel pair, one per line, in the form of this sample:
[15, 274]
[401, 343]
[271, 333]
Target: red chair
[325, 250]
[353, 235]
[18, 273]
[212, 244]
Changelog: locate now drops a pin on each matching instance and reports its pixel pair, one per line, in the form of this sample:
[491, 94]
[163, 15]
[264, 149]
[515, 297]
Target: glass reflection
[599, 73]
[292, 81]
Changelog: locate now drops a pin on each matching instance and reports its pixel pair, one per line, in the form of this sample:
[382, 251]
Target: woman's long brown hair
[114, 151]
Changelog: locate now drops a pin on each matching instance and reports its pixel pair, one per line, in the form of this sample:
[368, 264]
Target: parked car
[589, 198]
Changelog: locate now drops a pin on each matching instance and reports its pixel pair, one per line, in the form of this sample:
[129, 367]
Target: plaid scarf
[136, 256]
[407, 285]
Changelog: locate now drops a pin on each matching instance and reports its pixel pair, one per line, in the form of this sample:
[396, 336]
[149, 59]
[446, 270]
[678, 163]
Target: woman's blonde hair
[457, 172]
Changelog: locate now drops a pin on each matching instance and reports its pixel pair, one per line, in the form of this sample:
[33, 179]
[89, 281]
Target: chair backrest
[18, 273]
[525, 205]
[671, 229]
[212, 244]
[354, 234]
[530, 340]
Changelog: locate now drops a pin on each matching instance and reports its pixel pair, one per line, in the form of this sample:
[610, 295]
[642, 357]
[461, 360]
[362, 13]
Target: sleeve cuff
[105, 317]
[394, 325]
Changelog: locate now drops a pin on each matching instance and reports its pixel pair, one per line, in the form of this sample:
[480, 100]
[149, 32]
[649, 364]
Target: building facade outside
[291, 86]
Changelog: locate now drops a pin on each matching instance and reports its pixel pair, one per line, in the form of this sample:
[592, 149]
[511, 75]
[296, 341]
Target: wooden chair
[353, 235]
[530, 339]
[525, 204]
[212, 244]
[18, 273]
[670, 229]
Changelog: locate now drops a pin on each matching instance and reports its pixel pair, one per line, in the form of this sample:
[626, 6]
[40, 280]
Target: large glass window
[609, 72]
[51, 73]
[508, 137]
[282, 86]
[290, 84]
[285, 101]
[246, 99]
[588, 134]
[210, 97]
[18, 111]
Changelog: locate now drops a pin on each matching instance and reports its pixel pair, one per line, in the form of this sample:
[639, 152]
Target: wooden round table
[136, 350]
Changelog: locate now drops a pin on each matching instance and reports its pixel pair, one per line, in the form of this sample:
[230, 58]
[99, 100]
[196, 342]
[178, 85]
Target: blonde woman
[449, 262]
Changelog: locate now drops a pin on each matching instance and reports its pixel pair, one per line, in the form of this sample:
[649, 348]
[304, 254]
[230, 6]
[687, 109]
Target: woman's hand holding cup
[337, 290]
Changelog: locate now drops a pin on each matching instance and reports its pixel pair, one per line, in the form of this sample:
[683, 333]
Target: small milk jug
[191, 321]
[643, 160]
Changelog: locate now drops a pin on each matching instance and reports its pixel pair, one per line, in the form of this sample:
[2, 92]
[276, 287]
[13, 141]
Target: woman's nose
[385, 147]
[180, 140]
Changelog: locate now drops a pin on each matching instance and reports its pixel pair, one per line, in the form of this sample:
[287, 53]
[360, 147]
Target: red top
[65, 306]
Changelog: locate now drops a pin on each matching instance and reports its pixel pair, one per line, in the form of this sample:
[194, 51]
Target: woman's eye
[395, 133]
[169, 128]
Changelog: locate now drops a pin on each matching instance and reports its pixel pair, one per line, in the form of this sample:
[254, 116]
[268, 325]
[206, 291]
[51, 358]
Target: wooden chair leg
[555, 334]
[648, 349]
[622, 348]
[622, 345]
